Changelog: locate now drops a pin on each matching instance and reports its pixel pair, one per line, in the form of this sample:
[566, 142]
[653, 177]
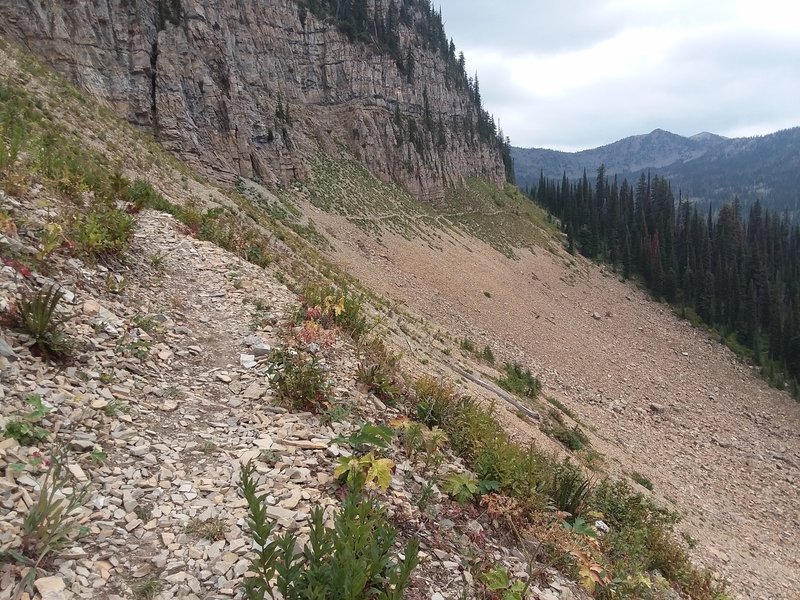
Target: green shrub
[642, 480]
[27, 430]
[298, 380]
[50, 524]
[102, 231]
[519, 381]
[380, 373]
[572, 438]
[641, 537]
[351, 561]
[37, 317]
[562, 407]
[642, 540]
[477, 436]
[330, 306]
[488, 355]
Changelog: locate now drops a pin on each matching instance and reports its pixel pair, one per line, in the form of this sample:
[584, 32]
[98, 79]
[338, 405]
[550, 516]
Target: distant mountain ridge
[705, 167]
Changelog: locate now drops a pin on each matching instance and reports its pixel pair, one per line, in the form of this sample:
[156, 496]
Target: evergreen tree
[740, 276]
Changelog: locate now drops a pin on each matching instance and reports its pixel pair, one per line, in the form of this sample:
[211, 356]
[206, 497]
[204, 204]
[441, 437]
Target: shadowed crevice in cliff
[153, 78]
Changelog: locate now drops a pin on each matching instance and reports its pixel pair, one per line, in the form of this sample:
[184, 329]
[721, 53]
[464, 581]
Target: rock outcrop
[255, 89]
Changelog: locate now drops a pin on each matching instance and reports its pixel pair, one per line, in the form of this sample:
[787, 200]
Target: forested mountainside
[256, 89]
[738, 272]
[705, 168]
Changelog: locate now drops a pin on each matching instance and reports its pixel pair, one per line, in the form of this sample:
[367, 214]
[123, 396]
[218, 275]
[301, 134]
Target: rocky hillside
[536, 425]
[705, 167]
[257, 89]
[161, 333]
[167, 362]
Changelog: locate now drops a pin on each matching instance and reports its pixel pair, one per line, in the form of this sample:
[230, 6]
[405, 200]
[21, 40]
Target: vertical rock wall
[249, 88]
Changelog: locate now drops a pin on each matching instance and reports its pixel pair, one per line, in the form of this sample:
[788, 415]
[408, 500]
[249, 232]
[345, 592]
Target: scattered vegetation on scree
[642, 538]
[362, 556]
[520, 381]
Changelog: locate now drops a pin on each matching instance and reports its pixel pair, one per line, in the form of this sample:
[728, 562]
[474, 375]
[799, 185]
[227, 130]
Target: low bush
[488, 355]
[642, 480]
[520, 381]
[102, 231]
[380, 373]
[329, 305]
[37, 315]
[480, 440]
[572, 438]
[351, 561]
[298, 380]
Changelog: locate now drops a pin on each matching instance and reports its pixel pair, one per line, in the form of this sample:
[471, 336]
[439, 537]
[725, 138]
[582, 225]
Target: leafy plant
[337, 412]
[520, 381]
[350, 561]
[642, 480]
[378, 436]
[25, 433]
[331, 306]
[463, 487]
[425, 495]
[52, 238]
[499, 581]
[433, 439]
[50, 524]
[411, 435]
[98, 457]
[580, 527]
[417, 438]
[370, 469]
[26, 430]
[37, 315]
[299, 382]
[115, 407]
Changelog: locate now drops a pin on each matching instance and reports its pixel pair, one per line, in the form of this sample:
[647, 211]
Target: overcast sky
[575, 74]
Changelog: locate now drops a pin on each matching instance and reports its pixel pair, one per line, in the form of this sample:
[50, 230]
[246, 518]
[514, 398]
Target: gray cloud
[581, 74]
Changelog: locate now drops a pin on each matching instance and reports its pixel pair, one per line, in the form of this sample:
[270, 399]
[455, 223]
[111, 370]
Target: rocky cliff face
[254, 89]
